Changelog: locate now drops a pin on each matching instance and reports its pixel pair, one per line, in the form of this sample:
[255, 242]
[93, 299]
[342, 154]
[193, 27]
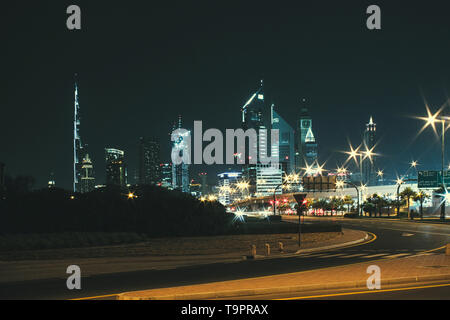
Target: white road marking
[376, 255]
[354, 255]
[397, 255]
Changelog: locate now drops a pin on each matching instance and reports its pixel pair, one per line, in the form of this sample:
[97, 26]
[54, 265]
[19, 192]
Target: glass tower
[116, 173]
[149, 162]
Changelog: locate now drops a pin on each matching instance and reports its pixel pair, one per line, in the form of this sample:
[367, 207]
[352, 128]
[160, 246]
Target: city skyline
[234, 153]
[345, 88]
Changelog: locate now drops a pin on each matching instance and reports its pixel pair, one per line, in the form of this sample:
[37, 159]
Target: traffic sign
[432, 179]
[319, 183]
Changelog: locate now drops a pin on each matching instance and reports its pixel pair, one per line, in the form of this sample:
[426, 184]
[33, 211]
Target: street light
[431, 120]
[399, 183]
[354, 153]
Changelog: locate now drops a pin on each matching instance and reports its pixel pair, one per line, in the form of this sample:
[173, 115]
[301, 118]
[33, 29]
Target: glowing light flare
[368, 153]
[430, 119]
[353, 153]
[131, 195]
[340, 184]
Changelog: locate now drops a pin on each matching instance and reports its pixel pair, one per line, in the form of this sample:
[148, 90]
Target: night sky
[141, 63]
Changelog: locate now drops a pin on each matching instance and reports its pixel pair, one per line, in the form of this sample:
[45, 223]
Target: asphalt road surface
[394, 239]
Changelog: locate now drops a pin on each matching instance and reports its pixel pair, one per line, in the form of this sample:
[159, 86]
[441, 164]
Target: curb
[324, 248]
[287, 289]
[333, 246]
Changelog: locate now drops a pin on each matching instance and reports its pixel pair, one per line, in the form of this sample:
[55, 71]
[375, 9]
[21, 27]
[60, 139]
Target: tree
[348, 201]
[378, 202]
[408, 194]
[421, 197]
[368, 207]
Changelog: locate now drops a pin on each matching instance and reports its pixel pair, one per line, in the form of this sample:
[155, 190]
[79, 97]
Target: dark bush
[156, 212]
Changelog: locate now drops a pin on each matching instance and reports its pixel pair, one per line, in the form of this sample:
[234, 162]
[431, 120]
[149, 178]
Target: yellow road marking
[364, 292]
[96, 297]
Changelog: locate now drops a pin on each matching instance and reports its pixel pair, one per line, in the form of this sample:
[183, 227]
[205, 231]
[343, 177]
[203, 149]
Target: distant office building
[51, 181]
[286, 144]
[116, 173]
[306, 146]
[166, 175]
[180, 172]
[203, 176]
[254, 117]
[227, 192]
[268, 180]
[310, 148]
[87, 175]
[195, 188]
[149, 162]
[369, 175]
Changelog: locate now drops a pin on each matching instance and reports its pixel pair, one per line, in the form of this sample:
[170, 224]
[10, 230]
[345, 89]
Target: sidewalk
[425, 267]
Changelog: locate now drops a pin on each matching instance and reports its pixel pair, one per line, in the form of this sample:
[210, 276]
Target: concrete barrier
[267, 249]
[253, 251]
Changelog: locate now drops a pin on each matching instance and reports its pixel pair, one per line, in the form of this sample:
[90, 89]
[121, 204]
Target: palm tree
[348, 201]
[368, 207]
[408, 194]
[421, 197]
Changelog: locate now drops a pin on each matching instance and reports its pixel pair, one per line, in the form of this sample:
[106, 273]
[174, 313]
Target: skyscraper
[253, 117]
[310, 147]
[116, 173]
[203, 176]
[149, 162]
[180, 172]
[368, 165]
[269, 179]
[252, 110]
[78, 150]
[166, 175]
[87, 175]
[304, 133]
[227, 182]
[286, 153]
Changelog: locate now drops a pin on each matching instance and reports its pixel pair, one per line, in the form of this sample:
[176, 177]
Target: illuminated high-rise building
[368, 166]
[180, 172]
[310, 147]
[268, 179]
[149, 162]
[286, 142]
[226, 187]
[78, 150]
[203, 176]
[254, 117]
[87, 182]
[166, 175]
[116, 172]
[306, 145]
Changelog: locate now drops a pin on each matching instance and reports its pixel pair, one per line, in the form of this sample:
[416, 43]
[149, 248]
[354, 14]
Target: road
[393, 239]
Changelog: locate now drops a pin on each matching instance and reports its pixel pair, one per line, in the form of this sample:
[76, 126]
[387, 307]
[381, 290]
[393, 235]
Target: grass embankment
[182, 246]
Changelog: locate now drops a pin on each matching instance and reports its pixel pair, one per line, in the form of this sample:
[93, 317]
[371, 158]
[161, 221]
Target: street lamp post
[431, 119]
[399, 183]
